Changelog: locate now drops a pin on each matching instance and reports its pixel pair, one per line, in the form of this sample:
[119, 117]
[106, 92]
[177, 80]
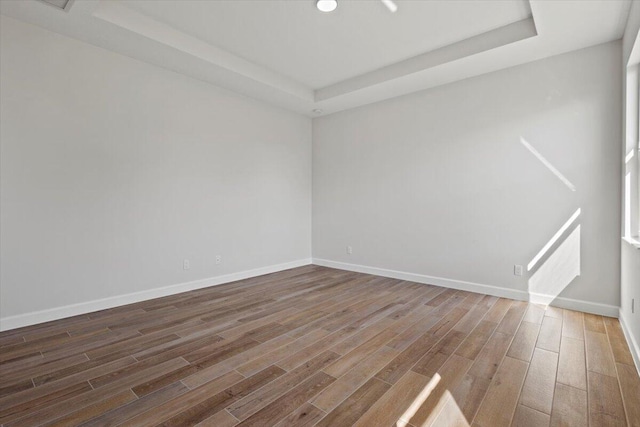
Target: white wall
[630, 263]
[437, 183]
[113, 171]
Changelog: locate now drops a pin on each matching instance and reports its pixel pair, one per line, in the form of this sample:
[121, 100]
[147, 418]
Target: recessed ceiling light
[326, 5]
[317, 111]
[393, 8]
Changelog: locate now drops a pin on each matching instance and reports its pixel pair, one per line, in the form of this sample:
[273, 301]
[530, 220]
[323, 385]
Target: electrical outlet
[349, 250]
[186, 265]
[218, 259]
[518, 270]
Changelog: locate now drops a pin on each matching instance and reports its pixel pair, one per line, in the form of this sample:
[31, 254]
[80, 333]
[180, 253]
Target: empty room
[393, 213]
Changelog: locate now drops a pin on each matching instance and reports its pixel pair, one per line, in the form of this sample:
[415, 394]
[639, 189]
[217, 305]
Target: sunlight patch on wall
[548, 164]
[553, 240]
[557, 272]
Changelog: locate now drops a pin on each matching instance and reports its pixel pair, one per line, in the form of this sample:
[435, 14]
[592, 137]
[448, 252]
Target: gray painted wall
[113, 171]
[438, 183]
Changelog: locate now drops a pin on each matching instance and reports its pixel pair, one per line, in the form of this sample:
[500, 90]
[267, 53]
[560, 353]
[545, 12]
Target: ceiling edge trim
[149, 28]
[489, 40]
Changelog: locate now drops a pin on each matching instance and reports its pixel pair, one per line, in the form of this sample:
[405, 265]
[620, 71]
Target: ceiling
[289, 54]
[320, 49]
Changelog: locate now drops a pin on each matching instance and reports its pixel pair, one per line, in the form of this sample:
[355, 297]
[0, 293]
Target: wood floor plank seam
[481, 402]
[453, 351]
[502, 359]
[383, 372]
[627, 410]
[345, 375]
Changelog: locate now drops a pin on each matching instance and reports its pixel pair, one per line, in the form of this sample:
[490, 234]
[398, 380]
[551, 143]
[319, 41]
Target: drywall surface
[115, 171]
[464, 181]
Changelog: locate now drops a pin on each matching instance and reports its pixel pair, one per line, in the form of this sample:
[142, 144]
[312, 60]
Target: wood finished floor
[315, 346]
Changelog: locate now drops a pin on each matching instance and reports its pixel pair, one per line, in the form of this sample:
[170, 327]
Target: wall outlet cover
[518, 270]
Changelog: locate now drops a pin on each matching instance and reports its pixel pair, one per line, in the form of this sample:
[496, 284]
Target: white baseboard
[633, 344]
[430, 280]
[572, 304]
[575, 304]
[36, 317]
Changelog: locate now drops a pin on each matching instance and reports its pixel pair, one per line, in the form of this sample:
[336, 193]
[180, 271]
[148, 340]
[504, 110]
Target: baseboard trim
[631, 341]
[28, 319]
[422, 278]
[575, 304]
[572, 304]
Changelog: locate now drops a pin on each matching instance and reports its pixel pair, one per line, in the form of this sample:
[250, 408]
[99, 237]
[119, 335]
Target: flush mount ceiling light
[393, 8]
[331, 5]
[326, 5]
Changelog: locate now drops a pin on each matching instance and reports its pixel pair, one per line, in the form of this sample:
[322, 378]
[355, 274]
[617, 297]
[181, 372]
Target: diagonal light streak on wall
[553, 240]
[549, 166]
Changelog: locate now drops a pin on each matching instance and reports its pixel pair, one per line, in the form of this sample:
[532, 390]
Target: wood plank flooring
[315, 346]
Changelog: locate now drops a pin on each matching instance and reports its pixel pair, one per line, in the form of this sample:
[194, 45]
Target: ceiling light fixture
[390, 5]
[326, 5]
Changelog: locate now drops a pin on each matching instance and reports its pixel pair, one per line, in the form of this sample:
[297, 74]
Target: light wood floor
[317, 346]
